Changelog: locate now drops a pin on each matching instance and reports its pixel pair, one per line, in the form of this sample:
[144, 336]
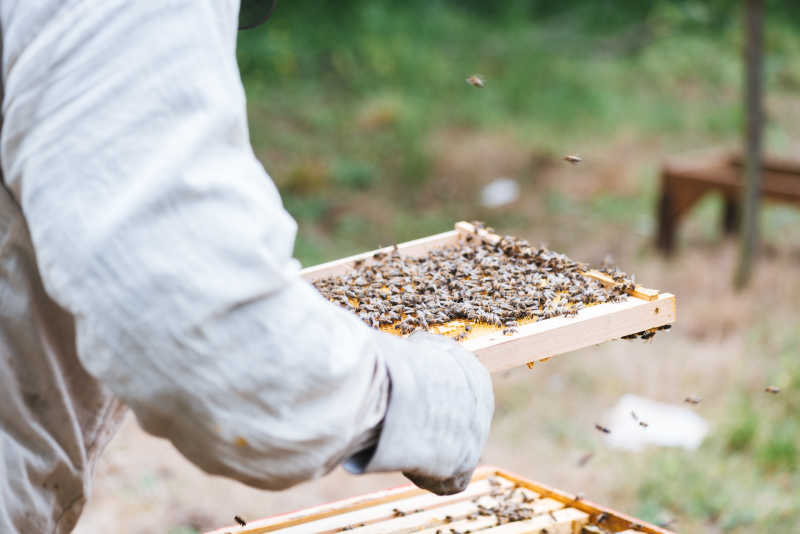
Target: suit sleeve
[125, 142]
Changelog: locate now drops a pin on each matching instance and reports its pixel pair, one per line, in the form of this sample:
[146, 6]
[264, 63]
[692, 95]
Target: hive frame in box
[644, 309]
[376, 513]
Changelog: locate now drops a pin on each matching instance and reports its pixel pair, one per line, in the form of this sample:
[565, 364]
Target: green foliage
[741, 433]
[352, 174]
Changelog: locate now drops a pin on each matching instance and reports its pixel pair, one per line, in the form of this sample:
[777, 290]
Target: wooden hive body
[409, 509]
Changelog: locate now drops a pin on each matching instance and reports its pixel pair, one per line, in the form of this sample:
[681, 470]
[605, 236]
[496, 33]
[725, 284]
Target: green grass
[348, 99]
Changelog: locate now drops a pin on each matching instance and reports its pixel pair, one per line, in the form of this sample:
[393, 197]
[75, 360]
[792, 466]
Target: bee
[476, 81]
[398, 513]
[239, 520]
[573, 159]
[772, 389]
[602, 517]
[647, 335]
[634, 416]
[693, 399]
[643, 424]
[603, 429]
[579, 496]
[583, 460]
[668, 523]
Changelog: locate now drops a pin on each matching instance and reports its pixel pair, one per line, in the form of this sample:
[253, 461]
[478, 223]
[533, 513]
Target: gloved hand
[439, 412]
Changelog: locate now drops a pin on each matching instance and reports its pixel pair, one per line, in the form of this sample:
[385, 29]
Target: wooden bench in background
[684, 182]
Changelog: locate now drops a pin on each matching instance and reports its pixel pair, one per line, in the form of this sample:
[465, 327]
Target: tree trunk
[751, 192]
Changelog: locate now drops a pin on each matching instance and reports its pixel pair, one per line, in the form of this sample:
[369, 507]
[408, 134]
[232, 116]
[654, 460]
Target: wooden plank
[565, 521]
[472, 525]
[727, 179]
[426, 519]
[464, 229]
[771, 163]
[416, 247]
[483, 522]
[388, 499]
[557, 335]
[444, 517]
[359, 502]
[382, 512]
[283, 521]
[638, 291]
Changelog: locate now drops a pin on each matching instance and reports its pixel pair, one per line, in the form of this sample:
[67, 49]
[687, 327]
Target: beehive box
[495, 502]
[642, 311]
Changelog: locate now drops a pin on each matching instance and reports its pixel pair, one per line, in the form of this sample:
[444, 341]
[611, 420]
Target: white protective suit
[145, 259]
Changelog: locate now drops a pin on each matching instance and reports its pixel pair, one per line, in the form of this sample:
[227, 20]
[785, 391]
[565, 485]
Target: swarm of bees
[474, 281]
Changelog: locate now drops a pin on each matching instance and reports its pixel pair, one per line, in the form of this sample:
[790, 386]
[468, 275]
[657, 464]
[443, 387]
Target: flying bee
[603, 429]
[693, 399]
[635, 417]
[647, 335]
[239, 520]
[583, 460]
[772, 389]
[643, 424]
[476, 81]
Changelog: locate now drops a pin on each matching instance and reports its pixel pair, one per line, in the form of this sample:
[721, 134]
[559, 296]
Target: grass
[351, 100]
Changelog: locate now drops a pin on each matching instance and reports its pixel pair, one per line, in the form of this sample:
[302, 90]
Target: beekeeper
[146, 261]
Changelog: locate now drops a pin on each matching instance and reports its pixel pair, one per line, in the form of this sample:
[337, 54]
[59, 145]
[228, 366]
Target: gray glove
[440, 409]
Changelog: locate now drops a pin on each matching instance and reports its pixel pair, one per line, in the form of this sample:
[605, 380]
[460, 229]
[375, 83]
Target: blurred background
[360, 112]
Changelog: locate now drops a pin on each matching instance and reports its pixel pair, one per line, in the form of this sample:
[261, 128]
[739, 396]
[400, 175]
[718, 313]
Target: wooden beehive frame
[410, 509]
[644, 309]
